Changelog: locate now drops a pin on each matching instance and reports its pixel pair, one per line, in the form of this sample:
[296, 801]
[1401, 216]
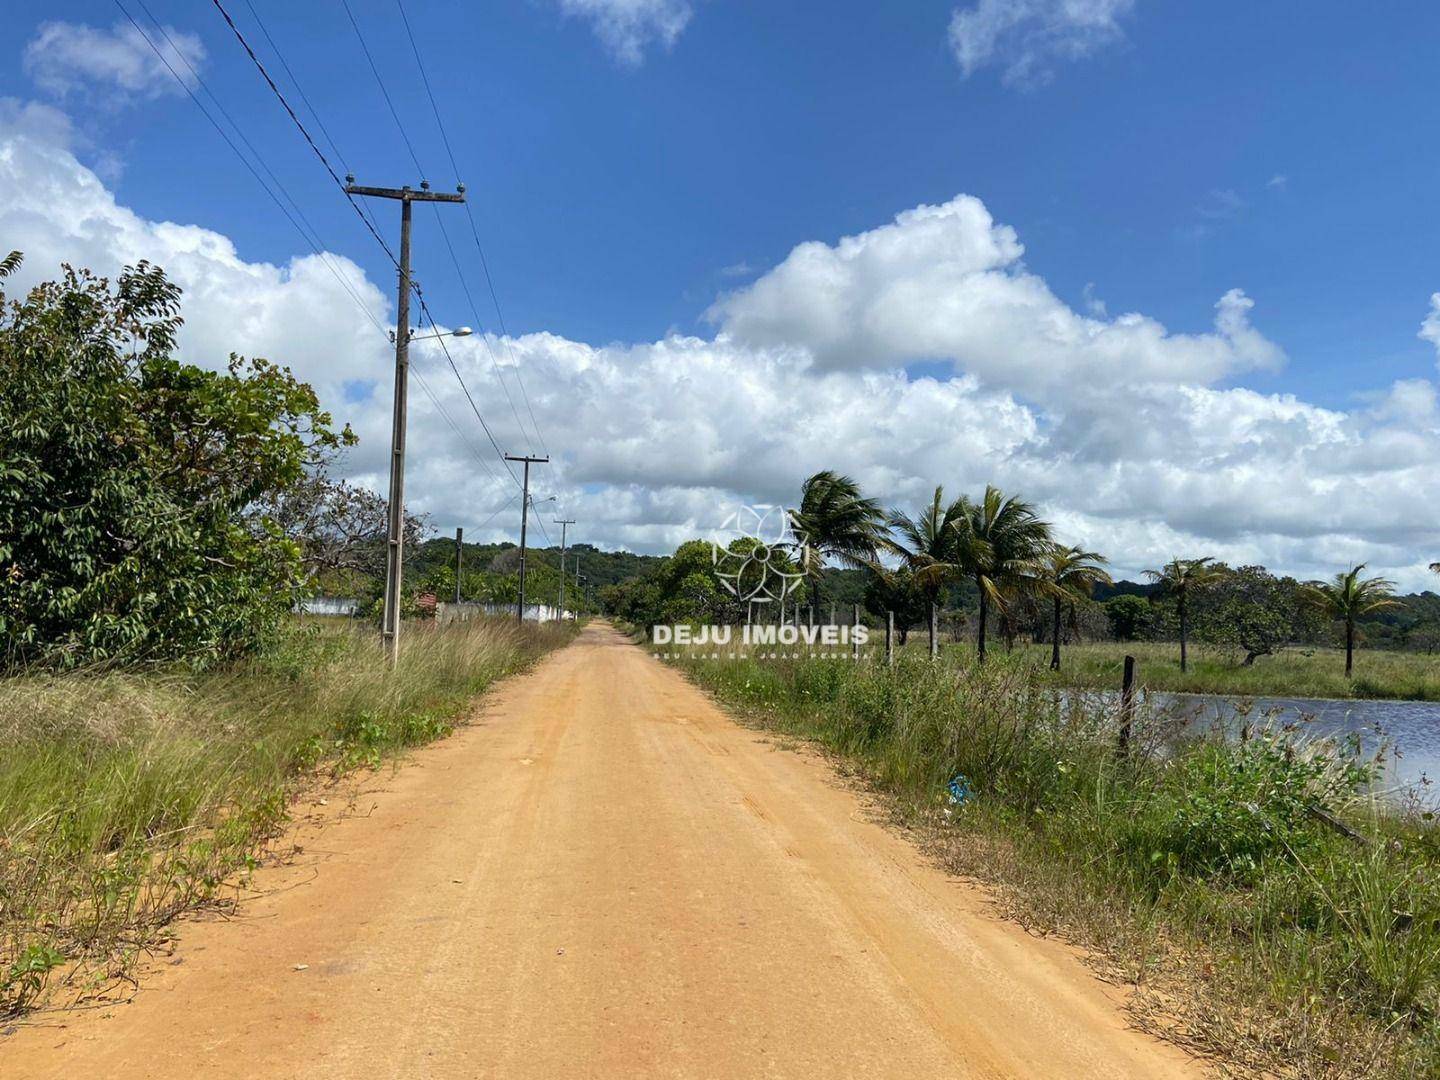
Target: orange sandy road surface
[605, 877]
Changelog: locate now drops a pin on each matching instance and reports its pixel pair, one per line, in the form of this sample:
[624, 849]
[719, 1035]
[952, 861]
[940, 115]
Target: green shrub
[129, 482]
[1226, 808]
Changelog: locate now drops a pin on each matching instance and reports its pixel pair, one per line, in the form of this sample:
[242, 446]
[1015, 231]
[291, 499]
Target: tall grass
[1196, 866]
[129, 797]
[1292, 672]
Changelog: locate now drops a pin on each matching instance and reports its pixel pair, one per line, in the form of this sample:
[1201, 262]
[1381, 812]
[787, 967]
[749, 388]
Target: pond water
[1411, 729]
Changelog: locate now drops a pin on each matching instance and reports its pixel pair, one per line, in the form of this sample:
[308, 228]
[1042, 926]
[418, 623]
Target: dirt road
[605, 877]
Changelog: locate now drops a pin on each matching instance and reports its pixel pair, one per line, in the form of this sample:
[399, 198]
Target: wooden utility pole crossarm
[408, 194]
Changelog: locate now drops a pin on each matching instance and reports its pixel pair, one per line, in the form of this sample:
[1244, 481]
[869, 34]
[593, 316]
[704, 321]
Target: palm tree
[1068, 574]
[1181, 578]
[835, 520]
[999, 542]
[1350, 597]
[927, 546]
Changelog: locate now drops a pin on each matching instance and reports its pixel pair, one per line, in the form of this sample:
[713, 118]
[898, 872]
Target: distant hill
[598, 567]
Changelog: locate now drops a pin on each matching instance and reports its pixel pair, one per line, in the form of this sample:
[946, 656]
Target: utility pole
[563, 523]
[524, 520]
[459, 558]
[394, 555]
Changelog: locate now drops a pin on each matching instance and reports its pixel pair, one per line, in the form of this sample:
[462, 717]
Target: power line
[290, 111]
[280, 96]
[314, 115]
[381, 83]
[475, 233]
[312, 243]
[504, 331]
[425, 315]
[440, 408]
[315, 243]
[541, 522]
[305, 98]
[220, 105]
[424, 307]
[508, 503]
[425, 78]
[454, 165]
[464, 285]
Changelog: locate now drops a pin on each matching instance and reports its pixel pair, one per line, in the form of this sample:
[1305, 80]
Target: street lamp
[463, 331]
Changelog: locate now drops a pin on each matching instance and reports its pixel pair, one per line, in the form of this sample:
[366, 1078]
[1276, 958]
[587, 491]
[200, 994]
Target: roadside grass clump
[1198, 867]
[128, 797]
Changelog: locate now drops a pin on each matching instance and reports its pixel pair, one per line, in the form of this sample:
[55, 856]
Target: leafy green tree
[1000, 542]
[926, 545]
[895, 591]
[835, 521]
[686, 587]
[1424, 636]
[1350, 597]
[1068, 575]
[129, 482]
[1128, 615]
[1254, 611]
[1182, 579]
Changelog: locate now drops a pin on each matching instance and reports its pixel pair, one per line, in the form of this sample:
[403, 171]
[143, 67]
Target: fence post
[1127, 706]
[890, 638]
[854, 640]
[934, 630]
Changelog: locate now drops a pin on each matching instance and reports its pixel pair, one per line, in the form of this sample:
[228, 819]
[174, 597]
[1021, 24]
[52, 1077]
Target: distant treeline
[1413, 624]
[990, 565]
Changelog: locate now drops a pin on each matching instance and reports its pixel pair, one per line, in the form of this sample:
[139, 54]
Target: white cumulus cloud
[1128, 436]
[64, 58]
[1026, 39]
[1430, 327]
[628, 27]
[947, 282]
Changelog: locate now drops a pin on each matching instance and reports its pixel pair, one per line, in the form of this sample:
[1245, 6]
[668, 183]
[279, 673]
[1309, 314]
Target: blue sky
[1149, 161]
[612, 198]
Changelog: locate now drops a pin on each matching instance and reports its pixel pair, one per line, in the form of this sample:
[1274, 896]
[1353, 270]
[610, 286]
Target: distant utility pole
[394, 555]
[459, 558]
[524, 520]
[563, 523]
